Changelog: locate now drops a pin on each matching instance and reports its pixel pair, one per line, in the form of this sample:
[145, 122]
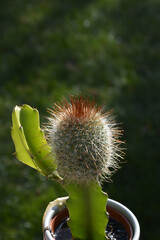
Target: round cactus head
[84, 140]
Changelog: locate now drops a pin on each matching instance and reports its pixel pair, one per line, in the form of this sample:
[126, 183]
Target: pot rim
[59, 204]
[128, 214]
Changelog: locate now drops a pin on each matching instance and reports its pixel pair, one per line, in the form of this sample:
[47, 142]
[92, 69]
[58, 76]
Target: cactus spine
[84, 141]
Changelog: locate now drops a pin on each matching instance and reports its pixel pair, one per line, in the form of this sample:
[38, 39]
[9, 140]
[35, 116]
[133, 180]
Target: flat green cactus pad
[30, 143]
[22, 150]
[87, 210]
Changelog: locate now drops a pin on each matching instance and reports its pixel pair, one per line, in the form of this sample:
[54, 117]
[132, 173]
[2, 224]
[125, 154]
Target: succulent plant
[80, 149]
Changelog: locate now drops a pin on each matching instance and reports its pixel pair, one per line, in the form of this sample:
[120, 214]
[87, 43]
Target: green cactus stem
[87, 210]
[22, 150]
[30, 143]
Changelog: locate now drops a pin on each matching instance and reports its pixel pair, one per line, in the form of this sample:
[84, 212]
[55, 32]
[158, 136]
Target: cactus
[80, 150]
[87, 211]
[30, 143]
[86, 146]
[84, 141]
[22, 150]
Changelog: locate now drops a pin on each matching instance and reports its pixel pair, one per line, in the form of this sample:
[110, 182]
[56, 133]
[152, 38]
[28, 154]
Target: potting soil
[114, 231]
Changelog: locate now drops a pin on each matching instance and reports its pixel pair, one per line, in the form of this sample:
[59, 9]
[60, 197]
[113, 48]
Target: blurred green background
[106, 49]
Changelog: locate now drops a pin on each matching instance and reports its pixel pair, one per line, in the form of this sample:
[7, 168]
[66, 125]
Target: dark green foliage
[107, 49]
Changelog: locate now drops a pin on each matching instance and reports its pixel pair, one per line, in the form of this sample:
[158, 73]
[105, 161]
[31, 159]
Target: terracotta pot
[56, 212]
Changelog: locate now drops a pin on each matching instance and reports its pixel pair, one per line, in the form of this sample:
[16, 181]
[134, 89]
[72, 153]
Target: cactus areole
[84, 141]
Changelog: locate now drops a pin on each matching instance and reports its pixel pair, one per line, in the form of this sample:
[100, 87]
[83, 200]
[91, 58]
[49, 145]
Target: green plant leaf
[22, 150]
[87, 210]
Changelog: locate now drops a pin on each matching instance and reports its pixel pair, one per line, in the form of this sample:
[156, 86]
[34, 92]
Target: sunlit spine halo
[84, 140]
